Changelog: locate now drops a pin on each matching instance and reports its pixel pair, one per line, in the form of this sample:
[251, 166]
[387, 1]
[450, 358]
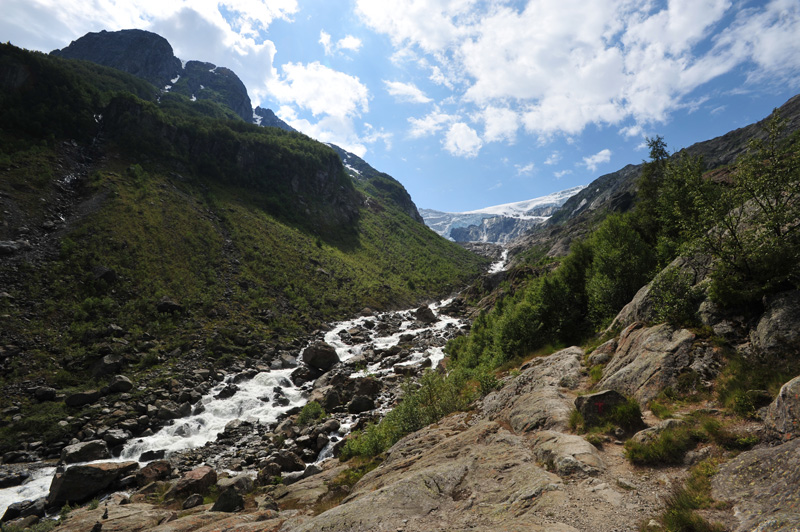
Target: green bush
[675, 299]
[668, 447]
[311, 413]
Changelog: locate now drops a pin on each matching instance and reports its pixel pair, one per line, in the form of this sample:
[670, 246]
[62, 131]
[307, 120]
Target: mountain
[149, 56]
[152, 237]
[498, 224]
[616, 191]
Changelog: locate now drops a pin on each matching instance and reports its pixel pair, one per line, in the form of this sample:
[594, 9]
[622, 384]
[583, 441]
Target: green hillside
[116, 200]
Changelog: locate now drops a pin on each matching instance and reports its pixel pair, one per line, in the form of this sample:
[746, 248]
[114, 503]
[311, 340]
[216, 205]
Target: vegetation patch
[311, 413]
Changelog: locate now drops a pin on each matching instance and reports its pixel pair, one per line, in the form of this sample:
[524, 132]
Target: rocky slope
[615, 192]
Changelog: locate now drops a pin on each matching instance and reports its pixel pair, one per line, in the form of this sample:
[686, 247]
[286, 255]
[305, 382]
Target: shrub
[675, 299]
[311, 413]
[668, 447]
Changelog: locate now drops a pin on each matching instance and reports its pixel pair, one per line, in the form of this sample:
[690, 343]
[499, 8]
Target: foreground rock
[80, 483]
[763, 486]
[783, 416]
[87, 451]
[320, 356]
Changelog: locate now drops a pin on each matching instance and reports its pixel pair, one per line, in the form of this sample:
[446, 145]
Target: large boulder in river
[86, 451]
[82, 482]
[320, 356]
[783, 415]
[425, 315]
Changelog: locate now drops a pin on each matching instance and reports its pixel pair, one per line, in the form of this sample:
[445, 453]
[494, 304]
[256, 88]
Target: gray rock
[192, 500]
[197, 480]
[425, 315]
[783, 415]
[85, 452]
[240, 483]
[597, 406]
[567, 454]
[120, 384]
[778, 330]
[168, 305]
[320, 356]
[229, 500]
[289, 461]
[359, 404]
[82, 398]
[762, 484]
[648, 359]
[116, 437]
[603, 353]
[44, 393]
[82, 482]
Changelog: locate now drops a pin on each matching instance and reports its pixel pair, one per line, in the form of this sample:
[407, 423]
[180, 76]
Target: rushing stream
[255, 399]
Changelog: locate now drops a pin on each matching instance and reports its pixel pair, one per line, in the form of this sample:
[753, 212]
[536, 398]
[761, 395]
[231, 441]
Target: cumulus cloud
[321, 90]
[406, 92]
[562, 65]
[593, 161]
[463, 141]
[350, 43]
[500, 123]
[430, 124]
[561, 173]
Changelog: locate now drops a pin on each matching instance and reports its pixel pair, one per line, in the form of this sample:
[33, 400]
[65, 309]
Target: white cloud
[321, 90]
[463, 141]
[592, 162]
[429, 124]
[562, 65]
[350, 43]
[500, 123]
[561, 173]
[196, 29]
[554, 158]
[406, 92]
[525, 170]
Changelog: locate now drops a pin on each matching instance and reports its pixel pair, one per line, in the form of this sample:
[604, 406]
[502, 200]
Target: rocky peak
[138, 52]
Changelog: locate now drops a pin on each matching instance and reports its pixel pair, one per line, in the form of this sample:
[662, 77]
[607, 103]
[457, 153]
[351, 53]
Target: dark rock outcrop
[80, 483]
[320, 356]
[85, 452]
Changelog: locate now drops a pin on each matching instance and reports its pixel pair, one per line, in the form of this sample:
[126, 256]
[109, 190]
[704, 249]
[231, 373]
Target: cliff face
[150, 57]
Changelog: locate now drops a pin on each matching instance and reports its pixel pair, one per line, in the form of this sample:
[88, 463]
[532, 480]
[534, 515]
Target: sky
[472, 103]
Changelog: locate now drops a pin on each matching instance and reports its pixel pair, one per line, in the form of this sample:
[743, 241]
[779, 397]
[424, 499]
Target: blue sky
[471, 103]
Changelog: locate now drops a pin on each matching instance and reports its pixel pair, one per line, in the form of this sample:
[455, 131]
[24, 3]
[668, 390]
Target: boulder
[120, 384]
[86, 451]
[783, 415]
[154, 471]
[289, 461]
[82, 482]
[762, 486]
[359, 404]
[532, 400]
[192, 500]
[25, 509]
[567, 454]
[603, 353]
[109, 364]
[82, 398]
[240, 483]
[230, 500]
[778, 330]
[597, 406]
[168, 305]
[197, 480]
[320, 356]
[116, 437]
[44, 393]
[425, 315]
[649, 359]
[9, 479]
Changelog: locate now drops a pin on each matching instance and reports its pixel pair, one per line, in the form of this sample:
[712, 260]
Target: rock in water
[425, 315]
[87, 451]
[81, 483]
[321, 356]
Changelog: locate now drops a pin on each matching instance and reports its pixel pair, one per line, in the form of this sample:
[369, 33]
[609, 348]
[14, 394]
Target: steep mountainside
[497, 224]
[138, 234]
[150, 57]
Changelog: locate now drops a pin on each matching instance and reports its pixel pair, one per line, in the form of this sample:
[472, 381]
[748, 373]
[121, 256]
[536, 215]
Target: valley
[211, 321]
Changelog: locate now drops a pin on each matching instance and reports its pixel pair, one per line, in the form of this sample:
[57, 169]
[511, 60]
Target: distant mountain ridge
[498, 223]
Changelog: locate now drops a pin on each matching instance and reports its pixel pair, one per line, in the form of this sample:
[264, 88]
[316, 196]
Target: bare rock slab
[783, 415]
[568, 454]
[82, 482]
[764, 485]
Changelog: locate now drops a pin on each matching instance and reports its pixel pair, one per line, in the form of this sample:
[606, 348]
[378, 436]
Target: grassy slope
[209, 240]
